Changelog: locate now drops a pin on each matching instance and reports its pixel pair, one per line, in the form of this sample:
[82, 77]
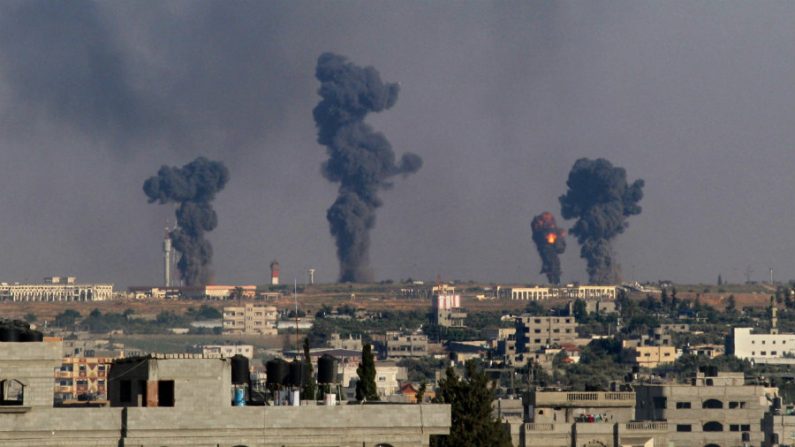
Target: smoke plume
[550, 242]
[360, 160]
[193, 187]
[601, 200]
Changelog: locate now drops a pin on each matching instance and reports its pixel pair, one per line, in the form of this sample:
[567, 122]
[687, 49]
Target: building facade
[56, 288]
[714, 409]
[82, 378]
[227, 351]
[250, 319]
[762, 347]
[401, 346]
[535, 332]
[537, 293]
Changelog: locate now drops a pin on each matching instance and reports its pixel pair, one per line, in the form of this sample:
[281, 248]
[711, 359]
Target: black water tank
[38, 336]
[296, 376]
[326, 369]
[240, 372]
[26, 335]
[712, 371]
[277, 371]
[9, 334]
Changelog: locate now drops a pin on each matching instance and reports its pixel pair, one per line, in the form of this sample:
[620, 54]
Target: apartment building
[651, 356]
[228, 351]
[82, 378]
[250, 319]
[400, 346]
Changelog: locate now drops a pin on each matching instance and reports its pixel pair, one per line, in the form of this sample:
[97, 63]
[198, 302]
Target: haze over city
[499, 100]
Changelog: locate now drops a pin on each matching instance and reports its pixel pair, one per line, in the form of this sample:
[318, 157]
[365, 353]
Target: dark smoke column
[601, 200]
[550, 243]
[193, 187]
[360, 160]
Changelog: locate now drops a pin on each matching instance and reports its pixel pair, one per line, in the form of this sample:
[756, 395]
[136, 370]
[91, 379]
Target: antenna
[295, 298]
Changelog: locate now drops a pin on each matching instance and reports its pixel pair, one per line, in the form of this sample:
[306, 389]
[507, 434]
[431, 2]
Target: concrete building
[350, 343]
[762, 347]
[250, 319]
[651, 356]
[399, 346]
[714, 409]
[447, 307]
[171, 402]
[82, 378]
[538, 293]
[56, 288]
[535, 332]
[388, 377]
[227, 351]
[586, 418]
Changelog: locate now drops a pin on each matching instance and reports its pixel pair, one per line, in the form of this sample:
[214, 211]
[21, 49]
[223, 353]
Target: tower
[311, 276]
[275, 273]
[167, 258]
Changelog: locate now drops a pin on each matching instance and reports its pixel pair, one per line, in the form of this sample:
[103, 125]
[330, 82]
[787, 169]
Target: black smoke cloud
[601, 201]
[550, 242]
[193, 187]
[360, 159]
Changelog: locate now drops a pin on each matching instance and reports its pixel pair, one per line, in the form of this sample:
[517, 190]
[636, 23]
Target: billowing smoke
[360, 160]
[550, 242]
[193, 187]
[601, 200]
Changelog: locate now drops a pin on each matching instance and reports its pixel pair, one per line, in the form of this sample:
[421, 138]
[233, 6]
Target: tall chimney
[275, 273]
[167, 259]
[311, 276]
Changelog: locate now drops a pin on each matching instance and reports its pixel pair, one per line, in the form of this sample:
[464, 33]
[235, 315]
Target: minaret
[167, 258]
[773, 316]
[311, 276]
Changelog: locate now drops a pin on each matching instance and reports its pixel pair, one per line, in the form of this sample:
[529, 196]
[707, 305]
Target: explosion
[550, 243]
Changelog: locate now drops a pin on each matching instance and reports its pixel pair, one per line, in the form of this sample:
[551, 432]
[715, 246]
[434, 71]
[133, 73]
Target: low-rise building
[762, 347]
[227, 351]
[651, 356]
[250, 319]
[399, 346]
[56, 288]
[350, 343]
[537, 293]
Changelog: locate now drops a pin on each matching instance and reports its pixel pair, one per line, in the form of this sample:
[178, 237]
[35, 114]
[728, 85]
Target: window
[772, 352]
[12, 392]
[745, 427]
[712, 403]
[125, 391]
[763, 353]
[684, 427]
[734, 427]
[713, 426]
[660, 402]
[165, 393]
[682, 405]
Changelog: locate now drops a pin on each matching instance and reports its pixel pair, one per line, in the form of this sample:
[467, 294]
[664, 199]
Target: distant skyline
[498, 98]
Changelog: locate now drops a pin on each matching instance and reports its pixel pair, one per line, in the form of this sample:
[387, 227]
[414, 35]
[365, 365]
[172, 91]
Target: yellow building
[82, 378]
[651, 356]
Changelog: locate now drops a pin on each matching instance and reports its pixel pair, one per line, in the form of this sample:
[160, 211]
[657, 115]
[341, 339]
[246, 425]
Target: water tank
[26, 335]
[296, 375]
[712, 371]
[38, 336]
[240, 397]
[777, 403]
[277, 371]
[240, 371]
[326, 369]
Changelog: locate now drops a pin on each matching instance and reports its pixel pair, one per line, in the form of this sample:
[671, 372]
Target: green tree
[66, 318]
[420, 395]
[309, 377]
[472, 424]
[365, 387]
[580, 310]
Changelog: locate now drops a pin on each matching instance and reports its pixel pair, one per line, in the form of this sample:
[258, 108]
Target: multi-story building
[651, 356]
[183, 400]
[586, 418]
[535, 332]
[250, 319]
[762, 347]
[714, 409]
[82, 378]
[227, 351]
[447, 307]
[56, 288]
[351, 343]
[399, 346]
[538, 293]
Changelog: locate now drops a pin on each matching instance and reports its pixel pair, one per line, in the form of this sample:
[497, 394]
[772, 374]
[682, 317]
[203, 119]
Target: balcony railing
[648, 425]
[538, 426]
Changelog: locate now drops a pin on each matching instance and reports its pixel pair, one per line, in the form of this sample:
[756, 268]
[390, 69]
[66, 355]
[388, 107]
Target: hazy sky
[500, 99]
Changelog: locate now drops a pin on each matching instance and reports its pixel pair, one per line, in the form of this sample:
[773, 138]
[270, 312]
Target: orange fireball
[551, 238]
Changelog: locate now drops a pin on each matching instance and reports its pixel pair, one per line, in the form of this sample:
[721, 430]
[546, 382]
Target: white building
[227, 351]
[56, 288]
[537, 293]
[763, 348]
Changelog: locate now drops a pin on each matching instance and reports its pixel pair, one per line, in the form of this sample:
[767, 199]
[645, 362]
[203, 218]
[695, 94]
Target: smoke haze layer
[550, 242]
[360, 159]
[193, 187]
[601, 201]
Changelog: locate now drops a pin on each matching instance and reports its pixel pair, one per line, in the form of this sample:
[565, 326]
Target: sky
[499, 99]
